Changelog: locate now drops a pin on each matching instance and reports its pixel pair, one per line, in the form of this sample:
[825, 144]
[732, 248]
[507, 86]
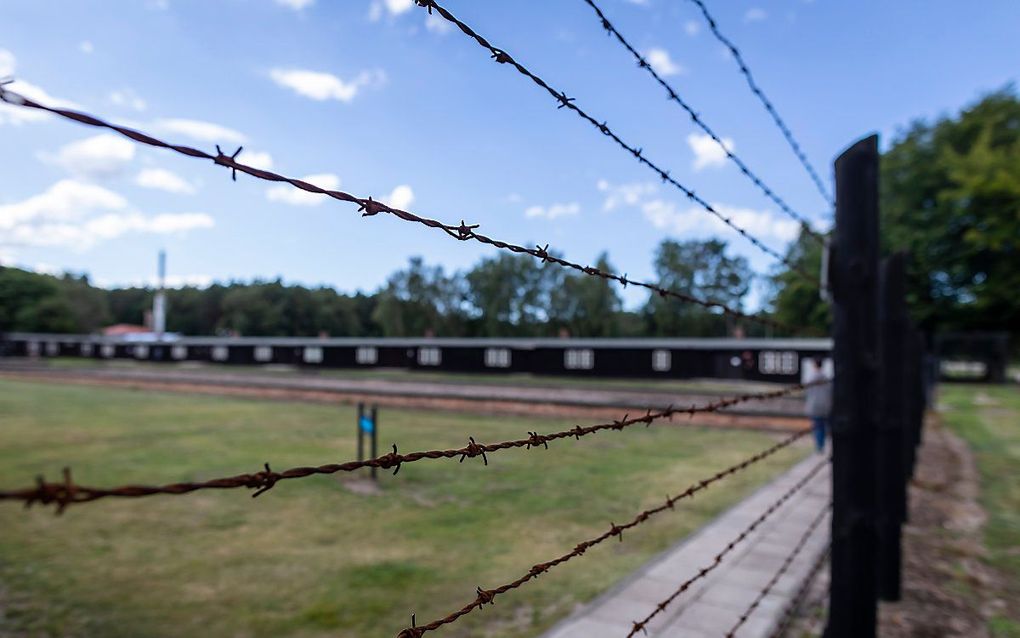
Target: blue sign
[367, 424]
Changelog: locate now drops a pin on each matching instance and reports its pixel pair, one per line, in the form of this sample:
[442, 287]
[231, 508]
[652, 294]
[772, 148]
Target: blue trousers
[820, 424]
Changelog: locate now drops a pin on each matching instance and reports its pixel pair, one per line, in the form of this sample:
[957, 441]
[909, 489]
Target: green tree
[797, 301]
[587, 306]
[701, 269]
[510, 295]
[420, 300]
[950, 195]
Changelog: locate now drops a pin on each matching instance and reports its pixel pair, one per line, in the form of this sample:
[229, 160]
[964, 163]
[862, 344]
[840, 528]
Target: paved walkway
[713, 605]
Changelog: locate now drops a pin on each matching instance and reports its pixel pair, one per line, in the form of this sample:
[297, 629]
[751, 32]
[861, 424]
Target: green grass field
[314, 557]
[988, 418]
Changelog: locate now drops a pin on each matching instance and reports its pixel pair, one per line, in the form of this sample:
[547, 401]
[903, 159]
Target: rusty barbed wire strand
[784, 129]
[798, 598]
[67, 492]
[369, 207]
[674, 96]
[487, 596]
[782, 570]
[641, 625]
[502, 57]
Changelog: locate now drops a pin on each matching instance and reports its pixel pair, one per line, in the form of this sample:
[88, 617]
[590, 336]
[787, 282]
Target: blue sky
[376, 98]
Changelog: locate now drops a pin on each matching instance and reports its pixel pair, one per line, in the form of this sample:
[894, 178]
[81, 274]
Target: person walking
[818, 401]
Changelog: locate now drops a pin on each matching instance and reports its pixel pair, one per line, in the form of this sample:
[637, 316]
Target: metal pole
[895, 412]
[361, 435]
[853, 589]
[375, 437]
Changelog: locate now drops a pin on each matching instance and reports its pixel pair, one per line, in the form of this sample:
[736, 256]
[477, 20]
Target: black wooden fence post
[891, 457]
[854, 274]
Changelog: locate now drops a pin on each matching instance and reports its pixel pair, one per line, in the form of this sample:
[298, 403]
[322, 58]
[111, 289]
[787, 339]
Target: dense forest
[950, 196]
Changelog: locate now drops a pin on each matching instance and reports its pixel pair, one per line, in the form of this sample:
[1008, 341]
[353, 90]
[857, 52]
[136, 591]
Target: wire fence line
[696, 119]
[798, 548]
[766, 102]
[640, 626]
[369, 207]
[65, 493]
[791, 606]
[502, 57]
[487, 596]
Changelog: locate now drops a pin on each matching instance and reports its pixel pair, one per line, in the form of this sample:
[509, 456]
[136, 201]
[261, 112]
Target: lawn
[315, 556]
[988, 418]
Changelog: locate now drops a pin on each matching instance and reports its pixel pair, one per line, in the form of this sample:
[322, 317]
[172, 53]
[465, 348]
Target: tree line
[505, 295]
[950, 196]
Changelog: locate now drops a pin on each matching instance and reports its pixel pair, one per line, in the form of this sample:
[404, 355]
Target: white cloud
[755, 14]
[322, 86]
[86, 47]
[663, 64]
[296, 5]
[164, 180]
[553, 211]
[692, 28]
[67, 200]
[391, 7]
[287, 194]
[401, 197]
[708, 152]
[256, 159]
[625, 194]
[128, 99]
[436, 24]
[764, 224]
[77, 215]
[99, 157]
[17, 115]
[202, 131]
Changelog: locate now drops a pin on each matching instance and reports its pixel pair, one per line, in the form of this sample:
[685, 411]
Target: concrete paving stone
[622, 611]
[750, 578]
[702, 616]
[678, 567]
[590, 628]
[729, 595]
[762, 562]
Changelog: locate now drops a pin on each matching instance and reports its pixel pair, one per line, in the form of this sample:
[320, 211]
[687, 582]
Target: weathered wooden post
[855, 415]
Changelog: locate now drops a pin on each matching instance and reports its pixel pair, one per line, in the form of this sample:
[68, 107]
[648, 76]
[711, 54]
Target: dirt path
[948, 590]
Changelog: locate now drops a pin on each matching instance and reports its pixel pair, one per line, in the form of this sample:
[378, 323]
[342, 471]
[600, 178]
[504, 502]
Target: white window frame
[579, 359]
[263, 354]
[141, 351]
[32, 348]
[366, 355]
[86, 349]
[497, 357]
[429, 356]
[220, 353]
[312, 354]
[108, 350]
[784, 362]
[179, 352]
[662, 360]
[52, 348]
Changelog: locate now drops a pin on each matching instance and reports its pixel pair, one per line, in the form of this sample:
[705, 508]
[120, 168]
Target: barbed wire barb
[674, 96]
[370, 206]
[769, 107]
[570, 104]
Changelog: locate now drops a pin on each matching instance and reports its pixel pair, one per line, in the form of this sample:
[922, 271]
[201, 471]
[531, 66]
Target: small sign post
[367, 426]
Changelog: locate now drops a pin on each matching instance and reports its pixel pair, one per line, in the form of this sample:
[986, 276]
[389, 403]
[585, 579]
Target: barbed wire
[795, 602]
[369, 207]
[674, 96]
[782, 570]
[502, 57]
[487, 596]
[641, 625]
[65, 493]
[787, 133]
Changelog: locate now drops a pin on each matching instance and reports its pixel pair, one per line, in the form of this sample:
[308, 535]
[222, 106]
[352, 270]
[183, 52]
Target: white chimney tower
[159, 301]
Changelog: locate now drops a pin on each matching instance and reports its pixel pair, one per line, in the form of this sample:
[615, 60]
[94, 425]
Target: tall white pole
[159, 301]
